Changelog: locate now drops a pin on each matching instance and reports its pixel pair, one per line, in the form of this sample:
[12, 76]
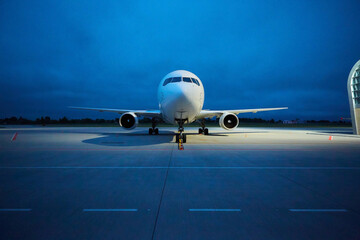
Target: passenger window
[176, 79]
[167, 81]
[196, 81]
[186, 79]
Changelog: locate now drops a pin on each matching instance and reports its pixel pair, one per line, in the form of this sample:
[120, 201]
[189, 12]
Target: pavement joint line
[214, 210]
[162, 193]
[110, 210]
[15, 209]
[317, 210]
[195, 167]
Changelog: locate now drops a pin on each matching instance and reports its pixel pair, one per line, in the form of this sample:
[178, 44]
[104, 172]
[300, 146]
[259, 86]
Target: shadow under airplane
[142, 138]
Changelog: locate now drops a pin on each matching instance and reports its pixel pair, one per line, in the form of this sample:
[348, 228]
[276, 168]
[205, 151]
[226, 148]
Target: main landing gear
[203, 129]
[154, 129]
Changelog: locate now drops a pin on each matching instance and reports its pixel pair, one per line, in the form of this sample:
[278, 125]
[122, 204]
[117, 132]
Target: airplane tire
[184, 138]
[206, 131]
[156, 131]
[177, 138]
[150, 131]
[200, 131]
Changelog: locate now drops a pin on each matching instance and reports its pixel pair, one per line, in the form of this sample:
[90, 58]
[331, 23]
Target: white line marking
[15, 209]
[318, 210]
[14, 137]
[153, 167]
[214, 210]
[110, 210]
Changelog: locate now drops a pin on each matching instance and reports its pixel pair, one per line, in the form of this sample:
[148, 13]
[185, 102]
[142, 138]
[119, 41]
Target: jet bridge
[354, 96]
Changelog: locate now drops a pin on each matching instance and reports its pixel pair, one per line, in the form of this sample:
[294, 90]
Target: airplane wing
[218, 113]
[145, 113]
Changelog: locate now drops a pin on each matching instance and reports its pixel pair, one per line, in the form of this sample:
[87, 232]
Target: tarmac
[108, 183]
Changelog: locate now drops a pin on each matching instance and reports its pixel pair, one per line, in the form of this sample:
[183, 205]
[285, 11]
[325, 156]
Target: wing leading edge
[218, 113]
[145, 113]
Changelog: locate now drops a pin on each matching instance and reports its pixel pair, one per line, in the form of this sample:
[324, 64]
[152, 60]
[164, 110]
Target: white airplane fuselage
[180, 100]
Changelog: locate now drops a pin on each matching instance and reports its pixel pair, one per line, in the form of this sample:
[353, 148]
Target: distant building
[353, 86]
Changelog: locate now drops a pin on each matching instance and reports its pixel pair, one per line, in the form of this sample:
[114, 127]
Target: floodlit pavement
[107, 183]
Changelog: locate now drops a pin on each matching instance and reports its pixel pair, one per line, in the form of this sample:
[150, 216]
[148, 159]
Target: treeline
[64, 120]
[48, 120]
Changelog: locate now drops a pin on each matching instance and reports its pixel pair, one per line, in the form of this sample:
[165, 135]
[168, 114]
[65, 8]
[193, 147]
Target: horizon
[214, 119]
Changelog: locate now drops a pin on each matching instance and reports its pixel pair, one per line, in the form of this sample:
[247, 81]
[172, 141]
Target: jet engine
[128, 120]
[228, 121]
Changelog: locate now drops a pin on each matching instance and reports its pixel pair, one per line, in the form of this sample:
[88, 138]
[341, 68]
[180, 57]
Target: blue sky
[249, 54]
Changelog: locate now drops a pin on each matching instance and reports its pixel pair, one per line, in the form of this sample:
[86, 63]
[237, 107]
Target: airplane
[181, 99]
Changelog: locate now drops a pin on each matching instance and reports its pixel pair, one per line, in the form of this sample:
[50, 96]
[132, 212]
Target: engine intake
[128, 120]
[228, 121]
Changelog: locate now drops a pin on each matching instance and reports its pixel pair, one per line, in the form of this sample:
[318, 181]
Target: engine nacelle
[228, 121]
[128, 120]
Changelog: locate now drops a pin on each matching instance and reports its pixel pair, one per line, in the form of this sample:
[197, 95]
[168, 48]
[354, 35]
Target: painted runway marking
[318, 210]
[214, 210]
[15, 209]
[14, 137]
[154, 167]
[110, 210]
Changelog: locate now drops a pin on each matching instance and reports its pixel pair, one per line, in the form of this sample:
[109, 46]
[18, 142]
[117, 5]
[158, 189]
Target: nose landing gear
[180, 136]
[180, 139]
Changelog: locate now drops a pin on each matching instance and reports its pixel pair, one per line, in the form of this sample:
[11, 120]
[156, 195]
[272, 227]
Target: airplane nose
[180, 101]
[183, 96]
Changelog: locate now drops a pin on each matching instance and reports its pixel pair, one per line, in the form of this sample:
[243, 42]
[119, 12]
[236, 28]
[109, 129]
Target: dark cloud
[114, 53]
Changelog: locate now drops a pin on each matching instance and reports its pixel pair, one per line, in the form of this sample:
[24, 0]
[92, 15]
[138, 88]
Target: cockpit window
[186, 79]
[176, 79]
[196, 81]
[167, 81]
